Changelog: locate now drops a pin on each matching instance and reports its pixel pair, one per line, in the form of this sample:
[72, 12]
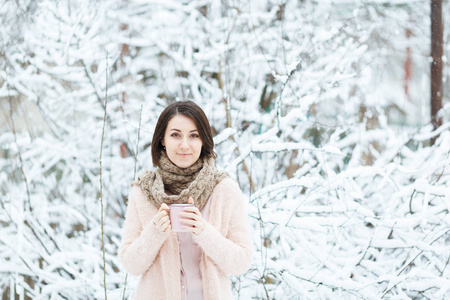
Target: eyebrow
[174, 129]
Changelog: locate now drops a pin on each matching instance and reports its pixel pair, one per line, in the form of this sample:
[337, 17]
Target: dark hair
[188, 109]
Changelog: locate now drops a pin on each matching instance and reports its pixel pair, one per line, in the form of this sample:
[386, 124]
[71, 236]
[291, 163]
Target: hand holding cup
[175, 210]
[192, 219]
[161, 219]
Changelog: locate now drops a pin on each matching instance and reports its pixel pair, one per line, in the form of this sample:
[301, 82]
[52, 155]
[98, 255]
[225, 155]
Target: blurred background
[321, 111]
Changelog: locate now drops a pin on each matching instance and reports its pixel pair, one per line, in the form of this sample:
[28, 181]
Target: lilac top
[190, 254]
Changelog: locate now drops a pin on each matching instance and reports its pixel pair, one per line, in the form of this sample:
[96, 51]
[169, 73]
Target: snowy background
[320, 110]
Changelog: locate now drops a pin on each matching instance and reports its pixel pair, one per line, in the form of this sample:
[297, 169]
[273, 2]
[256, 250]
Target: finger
[159, 216]
[162, 214]
[191, 200]
[189, 229]
[165, 219]
[164, 207]
[161, 220]
[188, 215]
[164, 222]
[192, 210]
[189, 222]
[165, 225]
[156, 219]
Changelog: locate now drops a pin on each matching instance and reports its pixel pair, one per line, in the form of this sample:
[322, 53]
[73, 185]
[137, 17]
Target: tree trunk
[437, 33]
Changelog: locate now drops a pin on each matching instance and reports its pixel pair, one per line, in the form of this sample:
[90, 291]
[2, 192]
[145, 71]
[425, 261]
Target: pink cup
[175, 209]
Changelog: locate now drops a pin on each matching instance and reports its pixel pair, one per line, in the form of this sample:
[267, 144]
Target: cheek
[170, 142]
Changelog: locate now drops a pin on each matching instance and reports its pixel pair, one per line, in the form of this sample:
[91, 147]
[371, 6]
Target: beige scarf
[197, 181]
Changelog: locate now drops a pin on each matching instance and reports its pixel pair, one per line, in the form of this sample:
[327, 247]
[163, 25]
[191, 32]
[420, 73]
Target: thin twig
[134, 177]
[19, 153]
[11, 221]
[411, 261]
[137, 143]
[101, 182]
[318, 283]
[244, 165]
[229, 125]
[91, 81]
[446, 264]
[262, 235]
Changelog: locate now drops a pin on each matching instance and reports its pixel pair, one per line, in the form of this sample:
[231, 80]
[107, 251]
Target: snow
[348, 199]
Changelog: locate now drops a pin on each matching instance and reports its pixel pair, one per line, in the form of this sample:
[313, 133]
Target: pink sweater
[225, 241]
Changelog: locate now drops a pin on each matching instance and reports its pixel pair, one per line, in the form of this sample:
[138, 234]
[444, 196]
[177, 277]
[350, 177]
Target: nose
[184, 144]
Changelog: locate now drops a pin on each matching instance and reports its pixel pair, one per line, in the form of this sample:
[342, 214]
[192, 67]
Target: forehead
[182, 123]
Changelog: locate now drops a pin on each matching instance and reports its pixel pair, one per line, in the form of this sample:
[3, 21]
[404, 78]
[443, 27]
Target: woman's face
[182, 141]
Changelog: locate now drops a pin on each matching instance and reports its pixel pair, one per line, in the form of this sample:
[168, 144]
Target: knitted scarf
[196, 181]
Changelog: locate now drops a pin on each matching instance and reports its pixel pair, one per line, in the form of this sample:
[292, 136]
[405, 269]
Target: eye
[175, 134]
[194, 135]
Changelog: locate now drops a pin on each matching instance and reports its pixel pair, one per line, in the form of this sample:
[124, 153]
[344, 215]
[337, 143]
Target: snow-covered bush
[347, 199]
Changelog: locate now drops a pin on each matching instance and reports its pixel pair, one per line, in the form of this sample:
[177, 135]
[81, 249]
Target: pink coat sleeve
[140, 242]
[230, 248]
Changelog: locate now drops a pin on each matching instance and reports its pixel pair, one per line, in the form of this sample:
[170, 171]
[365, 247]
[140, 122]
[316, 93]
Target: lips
[184, 155]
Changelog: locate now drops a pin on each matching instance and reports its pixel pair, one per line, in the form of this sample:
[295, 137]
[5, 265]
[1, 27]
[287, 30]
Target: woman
[194, 264]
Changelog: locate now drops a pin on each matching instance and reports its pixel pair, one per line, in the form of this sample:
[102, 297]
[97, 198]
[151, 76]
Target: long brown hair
[192, 111]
